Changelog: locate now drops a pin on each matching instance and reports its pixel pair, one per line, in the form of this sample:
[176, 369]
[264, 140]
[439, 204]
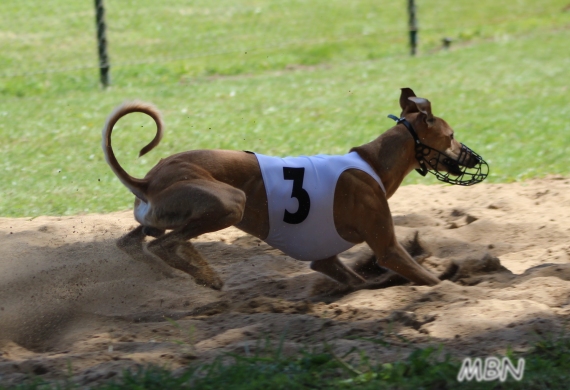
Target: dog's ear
[424, 107]
[406, 105]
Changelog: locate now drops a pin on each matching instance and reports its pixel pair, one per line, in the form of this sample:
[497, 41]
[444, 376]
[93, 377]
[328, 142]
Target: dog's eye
[451, 135]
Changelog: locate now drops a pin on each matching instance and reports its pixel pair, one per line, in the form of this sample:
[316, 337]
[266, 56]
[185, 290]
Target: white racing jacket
[300, 196]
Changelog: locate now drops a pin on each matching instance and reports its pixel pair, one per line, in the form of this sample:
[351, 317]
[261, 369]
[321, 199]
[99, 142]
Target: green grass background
[277, 77]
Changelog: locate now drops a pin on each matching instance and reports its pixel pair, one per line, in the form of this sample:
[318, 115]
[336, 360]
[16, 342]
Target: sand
[73, 305]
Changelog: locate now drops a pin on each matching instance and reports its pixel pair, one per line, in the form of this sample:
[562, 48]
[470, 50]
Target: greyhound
[310, 207]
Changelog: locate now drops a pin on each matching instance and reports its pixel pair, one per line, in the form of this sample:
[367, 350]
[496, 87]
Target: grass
[547, 366]
[284, 78]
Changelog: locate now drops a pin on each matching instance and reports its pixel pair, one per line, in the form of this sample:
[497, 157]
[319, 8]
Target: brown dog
[202, 191]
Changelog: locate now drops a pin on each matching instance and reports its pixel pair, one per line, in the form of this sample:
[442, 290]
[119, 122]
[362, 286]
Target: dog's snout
[467, 158]
[474, 162]
[471, 161]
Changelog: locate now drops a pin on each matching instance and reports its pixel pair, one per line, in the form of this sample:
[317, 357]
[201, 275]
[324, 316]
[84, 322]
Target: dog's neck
[391, 155]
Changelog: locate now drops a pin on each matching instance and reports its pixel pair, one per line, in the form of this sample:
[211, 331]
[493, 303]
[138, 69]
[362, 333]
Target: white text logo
[490, 369]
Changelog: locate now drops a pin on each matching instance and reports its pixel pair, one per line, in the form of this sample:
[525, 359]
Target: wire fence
[53, 36]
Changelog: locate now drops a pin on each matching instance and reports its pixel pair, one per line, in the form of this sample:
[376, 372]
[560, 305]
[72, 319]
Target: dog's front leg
[395, 258]
[376, 227]
[337, 270]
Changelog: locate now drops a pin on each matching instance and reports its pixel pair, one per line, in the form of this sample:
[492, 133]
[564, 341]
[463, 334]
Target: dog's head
[442, 151]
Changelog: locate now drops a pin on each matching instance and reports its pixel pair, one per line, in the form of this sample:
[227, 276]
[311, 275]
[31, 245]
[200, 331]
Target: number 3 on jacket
[297, 175]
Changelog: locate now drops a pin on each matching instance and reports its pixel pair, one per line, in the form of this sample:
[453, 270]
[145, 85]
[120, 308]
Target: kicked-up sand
[74, 306]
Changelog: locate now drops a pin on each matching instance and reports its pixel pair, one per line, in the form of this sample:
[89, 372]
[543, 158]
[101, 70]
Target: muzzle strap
[423, 170]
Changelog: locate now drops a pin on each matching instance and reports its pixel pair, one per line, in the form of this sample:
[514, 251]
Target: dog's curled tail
[136, 186]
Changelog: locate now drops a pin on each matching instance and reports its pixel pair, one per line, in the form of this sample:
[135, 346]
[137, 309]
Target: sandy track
[68, 295]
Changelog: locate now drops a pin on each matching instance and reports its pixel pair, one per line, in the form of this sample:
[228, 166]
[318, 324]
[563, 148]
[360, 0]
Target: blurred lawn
[278, 77]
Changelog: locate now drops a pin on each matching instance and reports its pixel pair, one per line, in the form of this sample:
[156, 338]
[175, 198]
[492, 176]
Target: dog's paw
[213, 282]
[325, 286]
[450, 272]
[368, 268]
[389, 279]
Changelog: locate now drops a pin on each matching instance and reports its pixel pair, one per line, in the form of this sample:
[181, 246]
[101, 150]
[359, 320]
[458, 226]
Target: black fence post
[413, 26]
[104, 65]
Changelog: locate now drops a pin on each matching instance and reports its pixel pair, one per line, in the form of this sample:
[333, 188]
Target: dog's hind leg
[199, 268]
[132, 244]
[337, 270]
[131, 240]
[183, 256]
[209, 208]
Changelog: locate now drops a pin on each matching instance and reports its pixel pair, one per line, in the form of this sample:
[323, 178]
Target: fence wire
[52, 36]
